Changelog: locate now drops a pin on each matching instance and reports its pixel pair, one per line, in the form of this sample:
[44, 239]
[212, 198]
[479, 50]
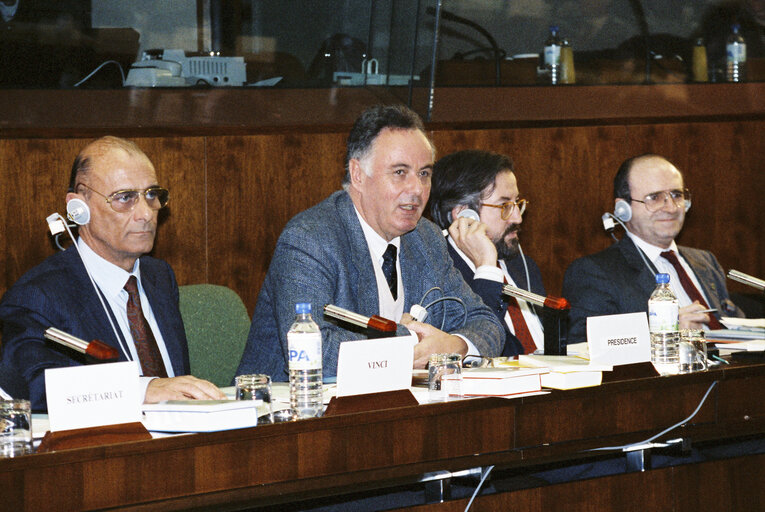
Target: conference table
[275, 465]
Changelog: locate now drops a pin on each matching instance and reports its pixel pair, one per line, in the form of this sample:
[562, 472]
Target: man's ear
[457, 209]
[355, 171]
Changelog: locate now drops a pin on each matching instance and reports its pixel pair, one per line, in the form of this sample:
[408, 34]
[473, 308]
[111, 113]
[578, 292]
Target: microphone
[747, 279]
[95, 348]
[550, 302]
[375, 322]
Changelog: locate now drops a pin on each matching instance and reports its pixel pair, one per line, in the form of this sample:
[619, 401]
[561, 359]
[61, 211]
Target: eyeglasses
[124, 201]
[507, 208]
[656, 200]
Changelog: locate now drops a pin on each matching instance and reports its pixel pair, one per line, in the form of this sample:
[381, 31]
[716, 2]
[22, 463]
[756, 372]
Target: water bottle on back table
[304, 347]
[664, 325]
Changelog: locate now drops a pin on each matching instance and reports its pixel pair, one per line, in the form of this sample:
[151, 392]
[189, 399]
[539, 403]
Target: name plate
[374, 366]
[618, 339]
[93, 395]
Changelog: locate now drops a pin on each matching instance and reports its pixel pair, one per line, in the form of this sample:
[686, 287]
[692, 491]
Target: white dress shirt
[111, 280]
[653, 253]
[499, 275]
[389, 308]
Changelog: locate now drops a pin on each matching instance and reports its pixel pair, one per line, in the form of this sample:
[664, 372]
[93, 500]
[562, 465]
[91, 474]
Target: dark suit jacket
[57, 293]
[616, 280]
[322, 257]
[491, 292]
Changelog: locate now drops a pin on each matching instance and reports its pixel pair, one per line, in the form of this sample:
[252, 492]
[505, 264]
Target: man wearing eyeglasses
[620, 279]
[118, 183]
[487, 252]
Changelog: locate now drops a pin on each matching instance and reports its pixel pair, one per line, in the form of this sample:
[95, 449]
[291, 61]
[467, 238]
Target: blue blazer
[491, 292]
[616, 280]
[57, 293]
[322, 257]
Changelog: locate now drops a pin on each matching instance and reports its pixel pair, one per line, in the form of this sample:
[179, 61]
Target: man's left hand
[433, 341]
[182, 388]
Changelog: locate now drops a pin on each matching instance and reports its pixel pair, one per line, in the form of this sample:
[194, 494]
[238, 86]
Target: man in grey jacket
[367, 249]
[649, 190]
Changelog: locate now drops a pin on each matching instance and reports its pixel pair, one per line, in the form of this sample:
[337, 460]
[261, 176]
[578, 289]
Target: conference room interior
[241, 161]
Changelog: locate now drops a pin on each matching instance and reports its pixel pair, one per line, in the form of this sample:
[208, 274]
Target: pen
[710, 310]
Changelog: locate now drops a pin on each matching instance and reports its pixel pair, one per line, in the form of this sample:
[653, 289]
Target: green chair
[217, 325]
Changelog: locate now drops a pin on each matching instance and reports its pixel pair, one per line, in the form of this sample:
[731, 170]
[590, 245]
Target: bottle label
[304, 350]
[663, 316]
[552, 55]
[736, 52]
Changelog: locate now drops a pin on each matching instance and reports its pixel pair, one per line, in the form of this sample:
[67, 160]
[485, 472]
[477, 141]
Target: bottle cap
[301, 308]
[662, 278]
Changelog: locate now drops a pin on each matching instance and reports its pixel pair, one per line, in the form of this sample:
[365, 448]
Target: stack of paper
[739, 329]
[200, 415]
[565, 372]
[505, 381]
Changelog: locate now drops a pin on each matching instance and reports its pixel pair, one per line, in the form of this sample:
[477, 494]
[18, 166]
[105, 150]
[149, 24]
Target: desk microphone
[375, 322]
[95, 348]
[556, 303]
[747, 279]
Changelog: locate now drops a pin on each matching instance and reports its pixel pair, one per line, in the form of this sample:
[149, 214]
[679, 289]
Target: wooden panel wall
[232, 195]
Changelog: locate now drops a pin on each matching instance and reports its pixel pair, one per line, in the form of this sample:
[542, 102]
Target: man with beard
[367, 249]
[487, 252]
[620, 279]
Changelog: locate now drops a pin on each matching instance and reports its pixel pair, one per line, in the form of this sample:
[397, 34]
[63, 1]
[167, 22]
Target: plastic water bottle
[304, 346]
[663, 323]
[552, 55]
[735, 55]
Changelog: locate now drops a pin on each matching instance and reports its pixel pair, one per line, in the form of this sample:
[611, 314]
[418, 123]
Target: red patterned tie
[519, 323]
[689, 287]
[145, 344]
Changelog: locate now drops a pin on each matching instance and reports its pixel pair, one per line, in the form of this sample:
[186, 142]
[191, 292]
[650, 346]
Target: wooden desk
[288, 462]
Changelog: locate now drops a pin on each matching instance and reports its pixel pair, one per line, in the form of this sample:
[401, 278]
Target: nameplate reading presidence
[618, 339]
[373, 366]
[93, 395]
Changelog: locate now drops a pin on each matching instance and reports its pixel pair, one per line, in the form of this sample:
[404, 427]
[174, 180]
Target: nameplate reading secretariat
[374, 366]
[618, 339]
[93, 395]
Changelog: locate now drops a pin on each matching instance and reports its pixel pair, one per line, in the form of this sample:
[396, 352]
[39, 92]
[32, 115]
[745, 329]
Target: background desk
[293, 461]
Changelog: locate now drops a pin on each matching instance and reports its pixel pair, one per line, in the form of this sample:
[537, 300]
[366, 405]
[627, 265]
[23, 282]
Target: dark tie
[520, 326]
[689, 287]
[389, 269]
[145, 344]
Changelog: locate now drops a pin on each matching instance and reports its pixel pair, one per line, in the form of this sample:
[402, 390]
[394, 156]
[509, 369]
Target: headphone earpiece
[622, 210]
[77, 211]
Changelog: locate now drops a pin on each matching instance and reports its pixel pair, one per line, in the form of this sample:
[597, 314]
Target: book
[566, 372]
[561, 363]
[571, 380]
[494, 381]
[200, 415]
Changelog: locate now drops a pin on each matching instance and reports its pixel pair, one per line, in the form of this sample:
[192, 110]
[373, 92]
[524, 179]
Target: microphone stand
[637, 8]
[492, 42]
